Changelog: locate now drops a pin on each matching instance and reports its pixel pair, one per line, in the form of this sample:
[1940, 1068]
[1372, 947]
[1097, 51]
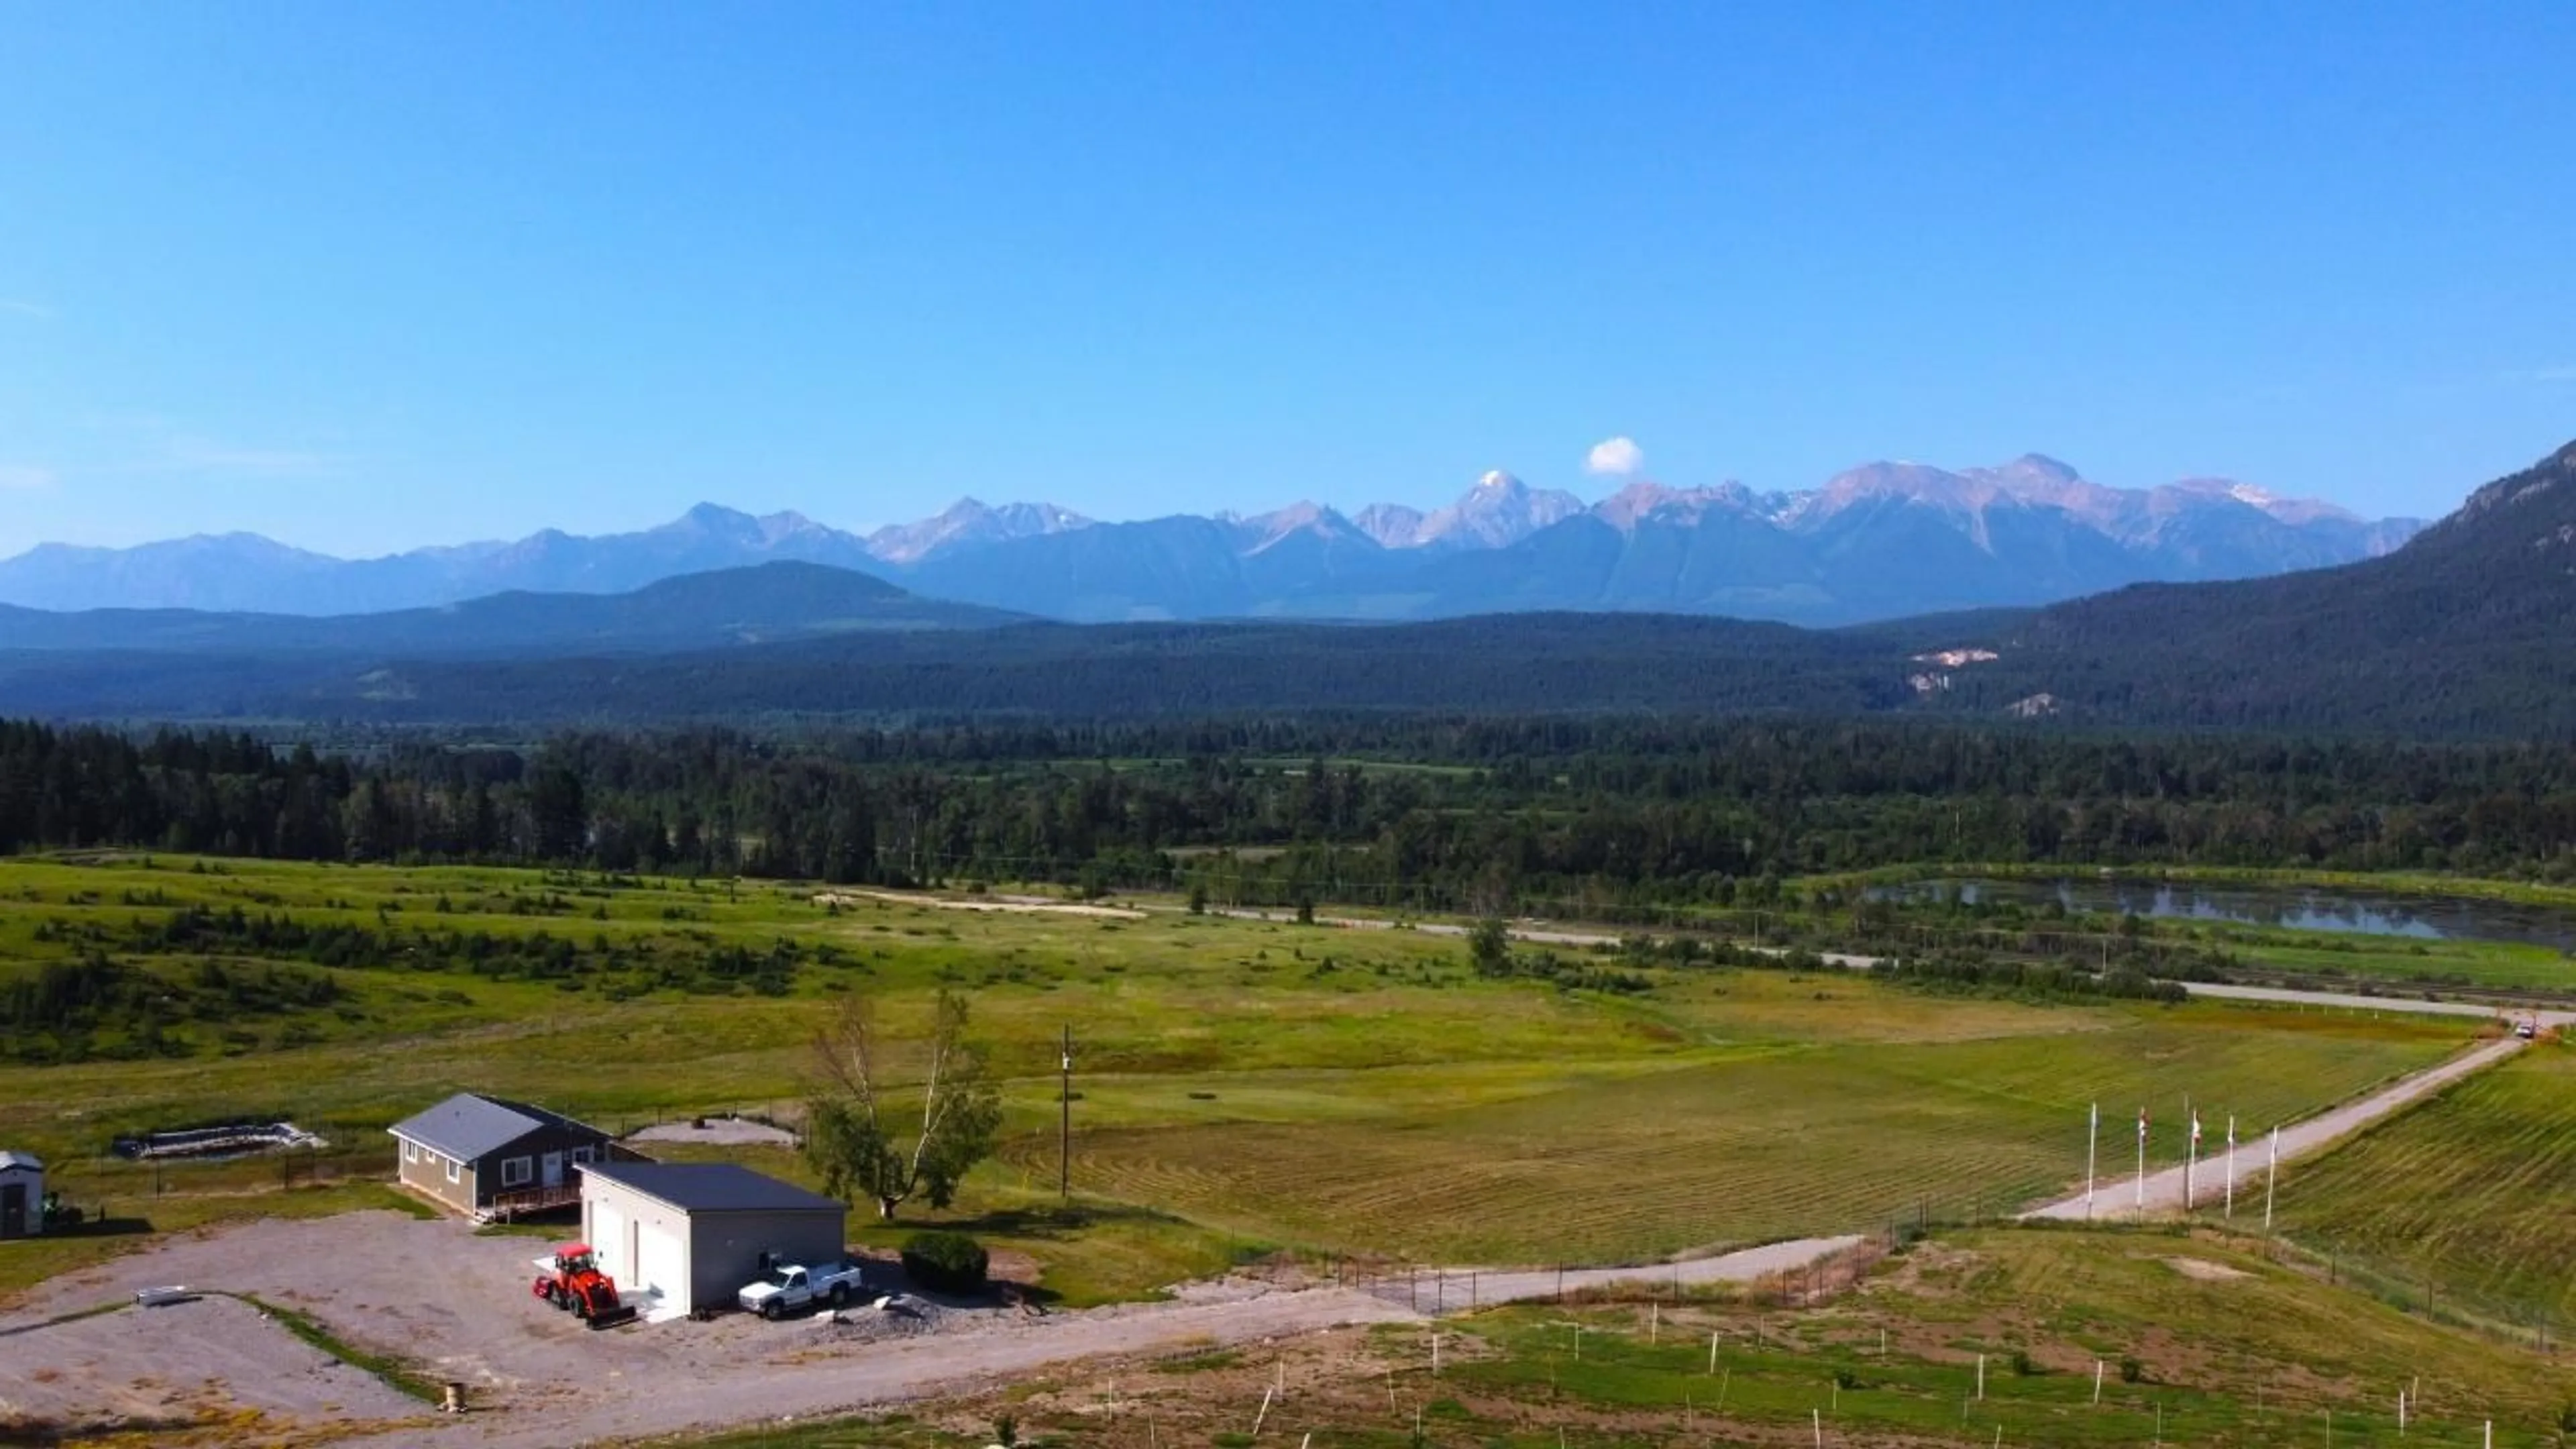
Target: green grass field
[2471, 1196]
[1748, 1143]
[2230, 1348]
[1244, 1085]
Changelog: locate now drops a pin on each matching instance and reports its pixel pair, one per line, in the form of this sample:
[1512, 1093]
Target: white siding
[27, 1184]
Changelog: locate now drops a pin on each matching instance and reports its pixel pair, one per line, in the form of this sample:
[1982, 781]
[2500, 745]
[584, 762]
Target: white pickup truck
[793, 1287]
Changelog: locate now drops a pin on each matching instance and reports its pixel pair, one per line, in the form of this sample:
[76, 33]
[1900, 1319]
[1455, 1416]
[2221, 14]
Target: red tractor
[576, 1286]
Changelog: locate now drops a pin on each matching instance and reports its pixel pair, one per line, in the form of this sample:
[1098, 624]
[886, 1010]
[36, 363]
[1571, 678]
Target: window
[455, 1170]
[515, 1171]
[411, 1150]
[581, 1154]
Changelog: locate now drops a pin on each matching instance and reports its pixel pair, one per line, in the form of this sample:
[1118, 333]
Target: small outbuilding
[693, 1233]
[22, 1195]
[489, 1157]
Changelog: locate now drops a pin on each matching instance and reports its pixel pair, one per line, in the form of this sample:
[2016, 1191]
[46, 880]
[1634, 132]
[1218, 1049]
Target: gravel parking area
[457, 1304]
[212, 1360]
[719, 1132]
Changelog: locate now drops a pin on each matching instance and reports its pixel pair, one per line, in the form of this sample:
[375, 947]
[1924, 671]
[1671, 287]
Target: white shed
[692, 1234]
[22, 1195]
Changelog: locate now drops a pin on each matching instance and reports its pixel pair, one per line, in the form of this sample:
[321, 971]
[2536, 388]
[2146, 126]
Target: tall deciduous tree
[859, 1131]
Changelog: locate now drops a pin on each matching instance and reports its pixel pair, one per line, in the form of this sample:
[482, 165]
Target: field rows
[2472, 1194]
[1772, 1145]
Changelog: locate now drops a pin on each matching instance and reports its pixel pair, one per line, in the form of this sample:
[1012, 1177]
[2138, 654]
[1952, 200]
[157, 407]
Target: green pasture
[1749, 1142]
[1242, 1086]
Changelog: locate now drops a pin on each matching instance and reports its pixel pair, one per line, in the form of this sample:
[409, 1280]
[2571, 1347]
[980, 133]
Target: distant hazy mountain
[242, 572]
[767, 604]
[1881, 541]
[969, 524]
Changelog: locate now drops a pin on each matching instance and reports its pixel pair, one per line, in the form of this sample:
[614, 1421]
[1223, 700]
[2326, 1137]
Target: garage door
[608, 1240]
[662, 1266]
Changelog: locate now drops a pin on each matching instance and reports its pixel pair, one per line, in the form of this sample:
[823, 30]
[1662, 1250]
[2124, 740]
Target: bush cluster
[945, 1262]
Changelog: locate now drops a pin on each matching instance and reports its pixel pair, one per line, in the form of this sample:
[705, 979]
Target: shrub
[947, 1262]
[2022, 1366]
[2132, 1371]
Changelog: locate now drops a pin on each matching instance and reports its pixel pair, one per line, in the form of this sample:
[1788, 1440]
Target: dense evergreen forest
[1456, 814]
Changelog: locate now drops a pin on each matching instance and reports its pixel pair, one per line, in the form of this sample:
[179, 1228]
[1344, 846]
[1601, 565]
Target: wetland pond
[2288, 908]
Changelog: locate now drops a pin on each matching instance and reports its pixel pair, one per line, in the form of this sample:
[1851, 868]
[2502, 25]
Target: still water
[2422, 918]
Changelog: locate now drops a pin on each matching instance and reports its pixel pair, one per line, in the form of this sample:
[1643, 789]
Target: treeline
[1450, 814]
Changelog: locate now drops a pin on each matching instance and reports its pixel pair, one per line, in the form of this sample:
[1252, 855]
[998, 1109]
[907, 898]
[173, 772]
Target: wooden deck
[520, 1202]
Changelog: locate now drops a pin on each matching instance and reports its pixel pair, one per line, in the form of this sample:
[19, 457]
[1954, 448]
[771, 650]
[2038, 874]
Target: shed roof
[20, 1159]
[712, 1187]
[469, 1126]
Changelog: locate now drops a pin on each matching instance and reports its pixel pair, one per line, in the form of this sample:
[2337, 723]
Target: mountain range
[2464, 631]
[1882, 541]
[2459, 633]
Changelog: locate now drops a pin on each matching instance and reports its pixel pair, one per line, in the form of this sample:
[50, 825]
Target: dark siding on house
[485, 1178]
[534, 1147]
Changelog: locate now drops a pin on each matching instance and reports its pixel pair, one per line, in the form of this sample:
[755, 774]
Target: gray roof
[19, 1159]
[712, 1187]
[468, 1127]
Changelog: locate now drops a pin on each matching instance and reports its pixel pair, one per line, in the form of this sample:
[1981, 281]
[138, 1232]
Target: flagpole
[2190, 1150]
[2092, 1150]
[2231, 1167]
[2142, 1159]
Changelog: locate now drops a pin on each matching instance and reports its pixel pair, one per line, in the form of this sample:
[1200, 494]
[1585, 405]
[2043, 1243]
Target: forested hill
[2469, 630]
[1504, 664]
[764, 603]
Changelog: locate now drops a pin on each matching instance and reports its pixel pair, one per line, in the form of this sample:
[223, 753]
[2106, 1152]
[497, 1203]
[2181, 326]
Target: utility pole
[1064, 1157]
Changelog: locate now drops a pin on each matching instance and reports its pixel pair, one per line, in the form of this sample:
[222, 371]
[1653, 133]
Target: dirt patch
[717, 1132]
[1005, 906]
[2206, 1271]
[208, 1362]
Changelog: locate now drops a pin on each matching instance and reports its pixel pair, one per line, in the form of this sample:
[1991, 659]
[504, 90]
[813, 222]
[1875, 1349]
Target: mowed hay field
[1762, 1142]
[2472, 1194]
[1242, 1085]
[2230, 1348]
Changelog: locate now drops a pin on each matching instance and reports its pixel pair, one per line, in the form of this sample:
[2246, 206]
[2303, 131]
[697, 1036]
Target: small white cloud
[1615, 458]
[24, 309]
[2554, 374]
[18, 478]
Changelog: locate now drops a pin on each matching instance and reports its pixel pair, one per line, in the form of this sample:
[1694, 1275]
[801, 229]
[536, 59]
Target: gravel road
[820, 1383]
[2118, 1194]
[1462, 1290]
[2415, 1004]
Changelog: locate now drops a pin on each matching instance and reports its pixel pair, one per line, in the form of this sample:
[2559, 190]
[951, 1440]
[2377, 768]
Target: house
[487, 1157]
[693, 1233]
[22, 1195]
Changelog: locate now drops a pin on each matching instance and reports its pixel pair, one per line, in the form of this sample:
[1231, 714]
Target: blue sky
[361, 277]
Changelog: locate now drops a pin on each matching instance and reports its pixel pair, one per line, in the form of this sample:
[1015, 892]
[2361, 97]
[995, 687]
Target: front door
[554, 1169]
[13, 1210]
